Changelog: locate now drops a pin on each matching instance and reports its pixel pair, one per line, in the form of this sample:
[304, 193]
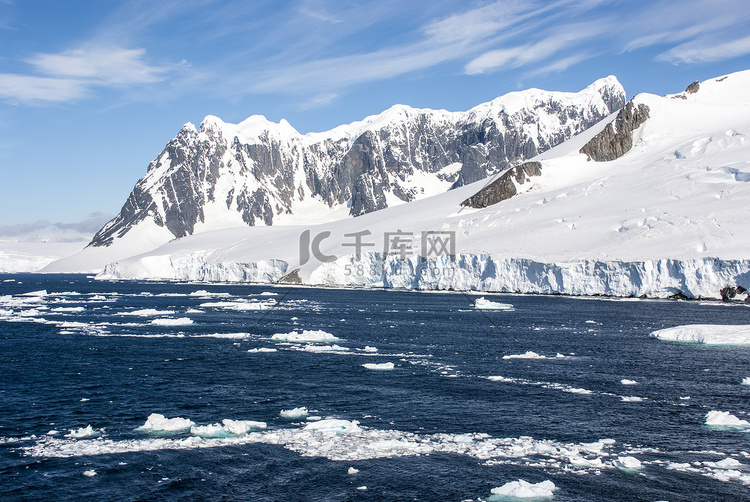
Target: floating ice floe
[240, 305]
[148, 312]
[352, 471]
[724, 419]
[484, 304]
[334, 425]
[379, 366]
[524, 490]
[305, 336]
[227, 428]
[90, 473]
[746, 381]
[261, 350]
[294, 413]
[625, 381]
[179, 321]
[68, 309]
[529, 354]
[727, 463]
[157, 422]
[710, 334]
[631, 399]
[627, 463]
[83, 432]
[323, 348]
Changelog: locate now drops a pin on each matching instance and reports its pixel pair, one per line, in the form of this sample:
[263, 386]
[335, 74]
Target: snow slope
[668, 217]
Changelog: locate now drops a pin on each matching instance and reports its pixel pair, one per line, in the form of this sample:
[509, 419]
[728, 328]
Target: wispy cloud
[74, 74]
[706, 50]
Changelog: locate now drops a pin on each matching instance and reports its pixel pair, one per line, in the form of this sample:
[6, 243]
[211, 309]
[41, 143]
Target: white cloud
[559, 40]
[73, 74]
[115, 65]
[31, 88]
[706, 50]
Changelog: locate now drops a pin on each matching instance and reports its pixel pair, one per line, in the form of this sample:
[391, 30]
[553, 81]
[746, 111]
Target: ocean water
[452, 419]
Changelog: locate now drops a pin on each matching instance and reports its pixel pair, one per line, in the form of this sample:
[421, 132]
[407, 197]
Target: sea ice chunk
[526, 355]
[483, 303]
[625, 381]
[627, 463]
[90, 473]
[305, 336]
[710, 334]
[379, 366]
[180, 321]
[352, 471]
[294, 413]
[746, 381]
[157, 422]
[524, 490]
[724, 419]
[83, 432]
[334, 425]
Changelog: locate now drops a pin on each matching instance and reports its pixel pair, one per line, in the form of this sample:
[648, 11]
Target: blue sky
[91, 91]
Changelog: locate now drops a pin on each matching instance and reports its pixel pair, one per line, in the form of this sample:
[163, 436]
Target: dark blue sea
[587, 399]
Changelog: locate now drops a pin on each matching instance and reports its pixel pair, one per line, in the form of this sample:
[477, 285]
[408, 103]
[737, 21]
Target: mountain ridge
[260, 172]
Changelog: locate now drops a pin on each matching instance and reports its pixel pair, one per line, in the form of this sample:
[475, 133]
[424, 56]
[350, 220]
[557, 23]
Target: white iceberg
[626, 381]
[352, 471]
[90, 473]
[227, 428]
[627, 463]
[724, 419]
[746, 381]
[524, 490]
[710, 334]
[261, 350]
[305, 336]
[485, 304]
[526, 355]
[334, 425]
[294, 413]
[379, 366]
[148, 312]
[180, 321]
[83, 432]
[157, 422]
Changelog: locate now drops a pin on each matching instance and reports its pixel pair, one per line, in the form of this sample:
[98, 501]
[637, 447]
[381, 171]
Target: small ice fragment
[180, 321]
[333, 425]
[627, 463]
[584, 462]
[90, 473]
[362, 488]
[526, 355]
[524, 490]
[724, 419]
[294, 413]
[625, 381]
[370, 349]
[484, 304]
[728, 463]
[261, 350]
[684, 398]
[631, 399]
[746, 381]
[305, 336]
[157, 422]
[379, 366]
[53, 432]
[84, 399]
[352, 471]
[83, 432]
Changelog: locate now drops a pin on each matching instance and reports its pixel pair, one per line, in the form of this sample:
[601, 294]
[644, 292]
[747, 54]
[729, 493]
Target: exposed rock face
[615, 141]
[504, 187]
[693, 88]
[257, 170]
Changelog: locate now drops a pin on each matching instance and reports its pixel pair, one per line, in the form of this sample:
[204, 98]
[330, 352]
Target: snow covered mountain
[262, 173]
[664, 211]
